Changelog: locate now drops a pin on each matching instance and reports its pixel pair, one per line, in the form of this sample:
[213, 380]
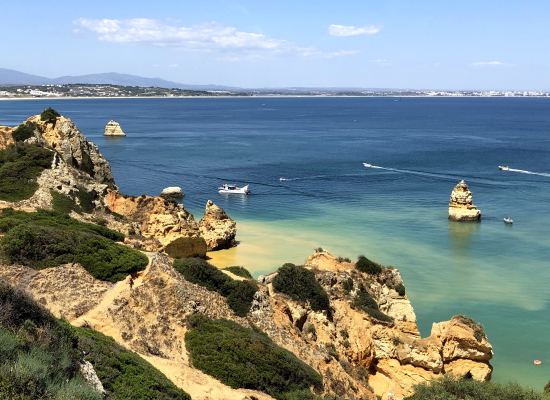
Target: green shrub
[242, 358]
[124, 374]
[479, 333]
[20, 165]
[301, 285]
[363, 264]
[65, 204]
[449, 389]
[49, 114]
[344, 333]
[239, 294]
[306, 395]
[331, 350]
[547, 388]
[364, 301]
[24, 131]
[400, 289]
[38, 355]
[239, 271]
[347, 285]
[46, 239]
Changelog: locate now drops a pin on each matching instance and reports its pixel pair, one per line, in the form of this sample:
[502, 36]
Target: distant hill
[12, 77]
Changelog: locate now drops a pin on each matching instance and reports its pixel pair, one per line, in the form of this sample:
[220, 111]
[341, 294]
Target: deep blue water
[396, 215]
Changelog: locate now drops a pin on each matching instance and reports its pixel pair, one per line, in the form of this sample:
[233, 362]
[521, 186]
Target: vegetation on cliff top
[38, 354]
[20, 166]
[49, 114]
[469, 389]
[65, 204]
[24, 131]
[300, 284]
[363, 264]
[124, 374]
[46, 239]
[239, 271]
[479, 333]
[239, 294]
[243, 358]
[364, 302]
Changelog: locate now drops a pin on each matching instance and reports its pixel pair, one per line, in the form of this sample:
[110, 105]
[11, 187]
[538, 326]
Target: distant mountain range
[11, 77]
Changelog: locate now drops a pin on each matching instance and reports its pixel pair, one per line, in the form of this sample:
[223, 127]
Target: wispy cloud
[379, 60]
[484, 63]
[206, 37]
[342, 30]
[174, 65]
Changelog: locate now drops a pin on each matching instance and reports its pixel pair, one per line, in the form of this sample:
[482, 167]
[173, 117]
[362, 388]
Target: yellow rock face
[113, 129]
[460, 206]
[5, 137]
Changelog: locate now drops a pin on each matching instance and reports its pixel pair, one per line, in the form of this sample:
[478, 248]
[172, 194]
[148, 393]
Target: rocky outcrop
[460, 206]
[62, 135]
[161, 219]
[5, 137]
[88, 372]
[172, 192]
[217, 228]
[113, 129]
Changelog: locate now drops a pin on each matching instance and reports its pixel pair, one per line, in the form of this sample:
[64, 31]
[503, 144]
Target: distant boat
[233, 189]
[508, 221]
[503, 168]
[367, 165]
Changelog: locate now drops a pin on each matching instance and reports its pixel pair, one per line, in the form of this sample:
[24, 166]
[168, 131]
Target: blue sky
[501, 45]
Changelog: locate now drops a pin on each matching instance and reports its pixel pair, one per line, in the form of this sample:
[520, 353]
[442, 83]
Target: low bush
[38, 354]
[49, 114]
[239, 294]
[124, 374]
[479, 333]
[20, 166]
[364, 302]
[363, 264]
[46, 239]
[24, 131]
[347, 285]
[400, 289]
[239, 271]
[65, 204]
[331, 350]
[242, 358]
[300, 284]
[449, 389]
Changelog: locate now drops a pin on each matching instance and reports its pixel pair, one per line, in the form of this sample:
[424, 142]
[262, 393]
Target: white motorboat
[233, 189]
[503, 168]
[367, 165]
[508, 221]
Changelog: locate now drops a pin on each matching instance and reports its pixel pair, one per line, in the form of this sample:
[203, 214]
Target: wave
[529, 172]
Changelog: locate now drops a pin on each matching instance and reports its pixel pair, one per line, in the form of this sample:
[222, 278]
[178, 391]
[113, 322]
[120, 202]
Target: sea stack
[172, 192]
[113, 129]
[217, 228]
[461, 207]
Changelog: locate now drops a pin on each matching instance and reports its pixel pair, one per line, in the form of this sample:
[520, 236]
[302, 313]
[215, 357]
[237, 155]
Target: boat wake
[528, 172]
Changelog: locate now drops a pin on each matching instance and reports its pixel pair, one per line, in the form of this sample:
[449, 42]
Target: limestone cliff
[355, 353]
[161, 219]
[5, 137]
[62, 135]
[460, 206]
[113, 129]
[217, 228]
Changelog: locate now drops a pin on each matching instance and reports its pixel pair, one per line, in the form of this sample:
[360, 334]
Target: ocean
[395, 215]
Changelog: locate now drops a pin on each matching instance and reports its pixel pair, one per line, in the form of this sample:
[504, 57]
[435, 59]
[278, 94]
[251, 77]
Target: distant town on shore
[109, 90]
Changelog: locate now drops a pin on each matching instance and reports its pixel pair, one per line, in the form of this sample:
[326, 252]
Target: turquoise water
[396, 215]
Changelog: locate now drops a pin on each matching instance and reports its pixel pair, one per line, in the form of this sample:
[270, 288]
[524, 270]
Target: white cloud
[480, 64]
[379, 60]
[342, 30]
[206, 37]
[174, 65]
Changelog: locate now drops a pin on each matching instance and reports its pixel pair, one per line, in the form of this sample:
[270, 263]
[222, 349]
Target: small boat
[537, 362]
[283, 179]
[233, 189]
[367, 165]
[503, 168]
[508, 220]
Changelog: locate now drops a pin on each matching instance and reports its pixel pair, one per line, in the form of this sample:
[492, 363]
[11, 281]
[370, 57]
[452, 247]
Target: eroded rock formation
[147, 314]
[161, 219]
[113, 129]
[217, 228]
[5, 137]
[62, 135]
[460, 206]
[172, 192]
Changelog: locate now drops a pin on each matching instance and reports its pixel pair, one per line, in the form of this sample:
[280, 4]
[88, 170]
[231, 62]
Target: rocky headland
[460, 206]
[113, 129]
[364, 342]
